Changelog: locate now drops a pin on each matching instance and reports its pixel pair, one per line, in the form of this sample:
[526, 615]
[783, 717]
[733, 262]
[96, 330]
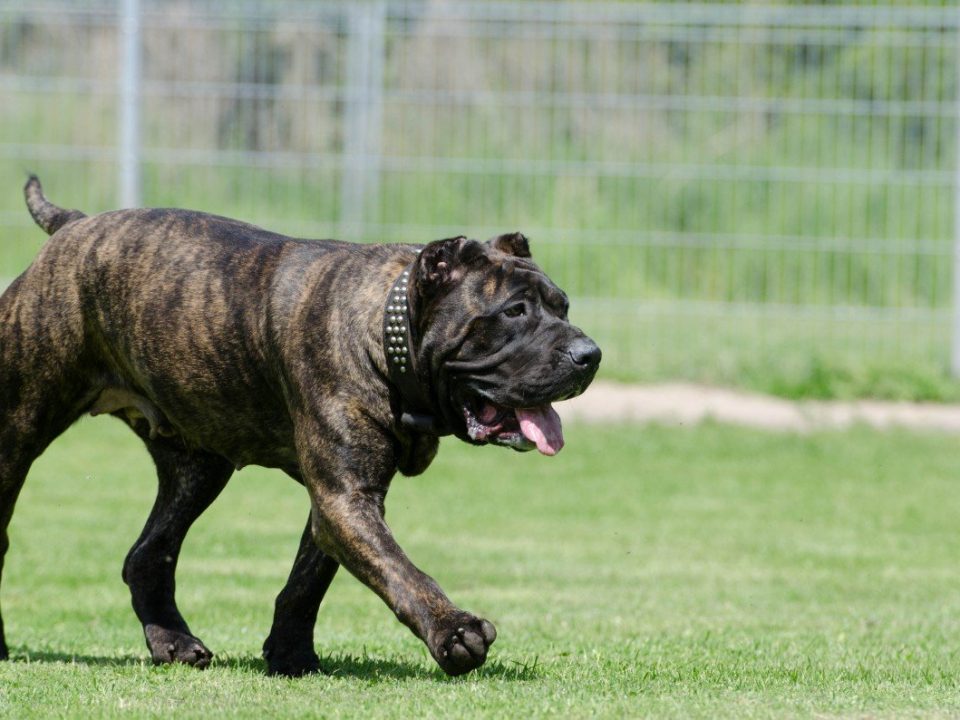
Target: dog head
[493, 335]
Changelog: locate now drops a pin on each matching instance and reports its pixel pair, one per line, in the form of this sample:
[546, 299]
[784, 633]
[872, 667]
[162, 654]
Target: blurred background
[758, 195]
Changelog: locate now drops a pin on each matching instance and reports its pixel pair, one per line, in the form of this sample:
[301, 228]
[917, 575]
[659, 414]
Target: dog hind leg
[288, 649]
[30, 419]
[189, 480]
[15, 460]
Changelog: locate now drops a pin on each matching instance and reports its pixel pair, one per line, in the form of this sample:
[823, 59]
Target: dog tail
[47, 215]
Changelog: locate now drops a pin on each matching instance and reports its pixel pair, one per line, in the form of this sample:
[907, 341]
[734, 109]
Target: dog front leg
[348, 525]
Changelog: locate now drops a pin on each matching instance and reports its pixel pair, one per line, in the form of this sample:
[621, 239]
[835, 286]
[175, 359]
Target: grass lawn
[712, 572]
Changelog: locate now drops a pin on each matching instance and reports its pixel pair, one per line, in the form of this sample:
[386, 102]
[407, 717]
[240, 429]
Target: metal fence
[722, 188]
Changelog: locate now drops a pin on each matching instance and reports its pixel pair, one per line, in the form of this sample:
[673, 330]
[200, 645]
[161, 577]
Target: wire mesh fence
[723, 189]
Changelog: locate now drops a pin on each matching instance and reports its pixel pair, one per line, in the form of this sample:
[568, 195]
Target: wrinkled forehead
[515, 276]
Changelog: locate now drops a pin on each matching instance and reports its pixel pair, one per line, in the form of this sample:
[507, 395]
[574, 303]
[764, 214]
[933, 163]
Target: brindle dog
[221, 345]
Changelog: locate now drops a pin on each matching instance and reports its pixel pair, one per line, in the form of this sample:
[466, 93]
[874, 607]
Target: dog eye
[516, 310]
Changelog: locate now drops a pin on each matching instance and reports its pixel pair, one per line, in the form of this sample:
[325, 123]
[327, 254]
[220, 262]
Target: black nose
[584, 352]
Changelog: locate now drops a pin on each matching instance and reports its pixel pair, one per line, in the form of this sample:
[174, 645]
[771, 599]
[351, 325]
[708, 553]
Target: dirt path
[686, 404]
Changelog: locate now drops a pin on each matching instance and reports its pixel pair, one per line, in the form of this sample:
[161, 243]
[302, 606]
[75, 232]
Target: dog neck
[416, 412]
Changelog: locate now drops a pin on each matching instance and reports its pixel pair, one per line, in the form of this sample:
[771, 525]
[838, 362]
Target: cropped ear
[443, 262]
[511, 244]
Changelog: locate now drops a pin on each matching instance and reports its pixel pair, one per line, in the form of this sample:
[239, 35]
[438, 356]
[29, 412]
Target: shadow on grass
[365, 667]
[41, 656]
[368, 668]
[361, 667]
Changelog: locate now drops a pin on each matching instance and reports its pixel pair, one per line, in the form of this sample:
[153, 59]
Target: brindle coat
[221, 345]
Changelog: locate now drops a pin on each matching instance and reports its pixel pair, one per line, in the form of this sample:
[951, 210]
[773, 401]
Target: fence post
[129, 102]
[955, 330]
[362, 116]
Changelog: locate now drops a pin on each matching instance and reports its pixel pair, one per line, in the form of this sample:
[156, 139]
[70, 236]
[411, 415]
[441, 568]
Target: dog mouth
[520, 428]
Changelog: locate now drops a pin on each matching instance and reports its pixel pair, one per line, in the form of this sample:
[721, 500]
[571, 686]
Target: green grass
[654, 572]
[789, 354]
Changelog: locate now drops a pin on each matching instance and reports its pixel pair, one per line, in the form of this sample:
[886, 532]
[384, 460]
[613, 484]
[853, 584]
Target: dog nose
[584, 352]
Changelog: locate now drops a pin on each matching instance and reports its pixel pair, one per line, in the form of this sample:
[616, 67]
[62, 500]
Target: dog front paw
[461, 644]
[170, 646]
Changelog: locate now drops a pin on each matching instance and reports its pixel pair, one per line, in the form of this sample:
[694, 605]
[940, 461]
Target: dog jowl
[221, 345]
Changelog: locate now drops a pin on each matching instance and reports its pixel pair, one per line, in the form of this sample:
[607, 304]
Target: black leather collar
[416, 410]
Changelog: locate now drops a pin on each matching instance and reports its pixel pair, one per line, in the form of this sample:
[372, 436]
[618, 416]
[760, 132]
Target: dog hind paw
[172, 646]
[289, 660]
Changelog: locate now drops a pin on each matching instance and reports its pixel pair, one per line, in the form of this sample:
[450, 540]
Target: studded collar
[416, 411]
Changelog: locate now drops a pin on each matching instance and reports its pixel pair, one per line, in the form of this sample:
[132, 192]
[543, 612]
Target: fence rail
[724, 189]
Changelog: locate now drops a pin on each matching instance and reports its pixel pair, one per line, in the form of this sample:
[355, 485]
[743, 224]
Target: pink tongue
[541, 425]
